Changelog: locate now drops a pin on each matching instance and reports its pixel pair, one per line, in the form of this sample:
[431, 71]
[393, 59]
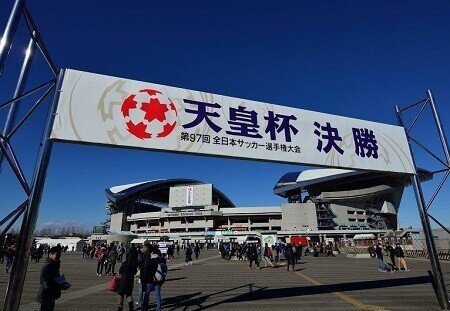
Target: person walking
[143, 265]
[49, 290]
[118, 250]
[298, 251]
[112, 260]
[84, 251]
[268, 256]
[196, 251]
[252, 255]
[39, 254]
[399, 253]
[101, 254]
[10, 252]
[387, 260]
[379, 256]
[290, 255]
[154, 274]
[391, 252]
[127, 272]
[188, 255]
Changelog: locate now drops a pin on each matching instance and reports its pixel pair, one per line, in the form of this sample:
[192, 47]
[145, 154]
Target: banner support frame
[18, 272]
[441, 292]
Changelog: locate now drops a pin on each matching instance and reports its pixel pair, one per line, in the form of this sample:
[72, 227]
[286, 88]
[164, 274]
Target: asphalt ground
[319, 283]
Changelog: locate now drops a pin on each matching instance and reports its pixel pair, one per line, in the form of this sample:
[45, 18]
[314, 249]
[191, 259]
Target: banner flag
[105, 110]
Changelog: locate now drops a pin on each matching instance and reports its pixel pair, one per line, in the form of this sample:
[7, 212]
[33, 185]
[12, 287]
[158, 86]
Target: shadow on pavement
[264, 293]
[198, 302]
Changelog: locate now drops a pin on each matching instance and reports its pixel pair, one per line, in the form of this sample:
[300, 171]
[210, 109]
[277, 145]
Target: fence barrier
[442, 254]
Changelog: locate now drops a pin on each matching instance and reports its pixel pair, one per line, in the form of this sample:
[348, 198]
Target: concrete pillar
[228, 222]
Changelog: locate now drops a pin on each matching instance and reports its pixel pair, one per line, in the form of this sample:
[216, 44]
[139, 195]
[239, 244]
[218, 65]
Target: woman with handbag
[126, 273]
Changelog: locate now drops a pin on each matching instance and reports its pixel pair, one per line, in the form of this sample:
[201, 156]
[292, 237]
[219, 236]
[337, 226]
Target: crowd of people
[145, 266]
[389, 258]
[270, 255]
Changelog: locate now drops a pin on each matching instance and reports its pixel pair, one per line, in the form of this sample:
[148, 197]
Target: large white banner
[107, 110]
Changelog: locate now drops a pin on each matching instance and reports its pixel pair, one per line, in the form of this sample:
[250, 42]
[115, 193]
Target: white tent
[73, 243]
[364, 237]
[138, 241]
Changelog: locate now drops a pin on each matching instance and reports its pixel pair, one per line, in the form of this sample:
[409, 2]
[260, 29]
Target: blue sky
[352, 58]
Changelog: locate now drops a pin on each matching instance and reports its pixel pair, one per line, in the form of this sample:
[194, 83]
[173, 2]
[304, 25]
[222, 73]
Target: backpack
[161, 271]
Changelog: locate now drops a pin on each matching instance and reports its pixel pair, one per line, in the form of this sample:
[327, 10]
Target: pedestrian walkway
[319, 283]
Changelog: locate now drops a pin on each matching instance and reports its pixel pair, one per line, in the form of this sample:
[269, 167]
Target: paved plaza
[318, 284]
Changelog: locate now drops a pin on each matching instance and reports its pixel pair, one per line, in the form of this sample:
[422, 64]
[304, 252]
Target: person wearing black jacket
[142, 264]
[50, 291]
[252, 255]
[188, 255]
[148, 277]
[391, 251]
[127, 271]
[400, 257]
[290, 256]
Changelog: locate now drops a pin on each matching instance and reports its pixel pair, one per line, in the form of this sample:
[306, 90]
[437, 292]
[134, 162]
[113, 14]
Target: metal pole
[35, 34]
[19, 90]
[18, 272]
[437, 119]
[10, 30]
[434, 259]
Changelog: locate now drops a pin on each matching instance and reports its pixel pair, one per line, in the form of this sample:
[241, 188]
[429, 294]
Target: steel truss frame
[33, 190]
[30, 207]
[422, 205]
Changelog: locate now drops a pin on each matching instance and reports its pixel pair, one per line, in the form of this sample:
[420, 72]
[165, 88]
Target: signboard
[189, 196]
[209, 233]
[269, 238]
[227, 232]
[186, 197]
[106, 110]
[190, 213]
[99, 230]
[163, 247]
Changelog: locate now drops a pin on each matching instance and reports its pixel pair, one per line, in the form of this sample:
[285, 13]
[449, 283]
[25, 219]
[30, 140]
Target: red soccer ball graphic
[149, 114]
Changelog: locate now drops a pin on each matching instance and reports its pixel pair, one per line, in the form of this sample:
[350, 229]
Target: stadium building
[320, 203]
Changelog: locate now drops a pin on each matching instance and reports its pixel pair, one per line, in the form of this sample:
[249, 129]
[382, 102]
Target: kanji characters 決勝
[364, 139]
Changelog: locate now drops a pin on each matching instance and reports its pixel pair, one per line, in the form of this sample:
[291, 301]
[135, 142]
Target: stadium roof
[294, 182]
[157, 191]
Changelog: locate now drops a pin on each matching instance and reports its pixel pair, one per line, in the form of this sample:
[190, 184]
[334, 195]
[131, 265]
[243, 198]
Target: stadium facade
[320, 203]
